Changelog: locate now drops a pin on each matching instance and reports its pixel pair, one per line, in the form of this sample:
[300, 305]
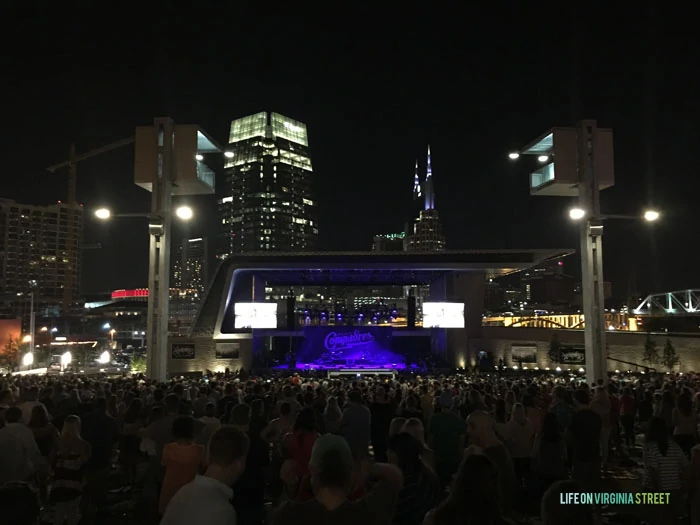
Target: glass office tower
[265, 201]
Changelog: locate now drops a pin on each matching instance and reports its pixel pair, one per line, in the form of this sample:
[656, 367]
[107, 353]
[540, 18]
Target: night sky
[374, 87]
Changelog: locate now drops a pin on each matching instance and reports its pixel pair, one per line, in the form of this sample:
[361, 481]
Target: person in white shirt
[207, 499]
[20, 458]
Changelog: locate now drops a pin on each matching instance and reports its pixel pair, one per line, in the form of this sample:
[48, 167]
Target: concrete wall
[205, 357]
[626, 346]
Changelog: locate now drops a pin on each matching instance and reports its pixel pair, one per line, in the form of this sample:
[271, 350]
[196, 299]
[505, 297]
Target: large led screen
[255, 315]
[443, 315]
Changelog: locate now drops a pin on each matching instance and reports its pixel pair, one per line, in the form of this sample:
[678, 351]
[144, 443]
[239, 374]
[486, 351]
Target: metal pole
[32, 323]
[159, 254]
[592, 283]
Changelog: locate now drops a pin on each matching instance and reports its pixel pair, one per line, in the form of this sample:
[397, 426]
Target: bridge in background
[613, 321]
[680, 303]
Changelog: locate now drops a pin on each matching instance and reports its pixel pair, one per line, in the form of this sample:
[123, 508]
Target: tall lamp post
[578, 162]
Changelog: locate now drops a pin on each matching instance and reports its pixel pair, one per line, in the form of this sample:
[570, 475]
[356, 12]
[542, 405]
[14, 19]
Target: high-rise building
[427, 233]
[190, 265]
[34, 253]
[266, 201]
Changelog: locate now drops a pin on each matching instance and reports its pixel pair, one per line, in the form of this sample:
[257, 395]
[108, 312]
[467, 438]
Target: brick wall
[626, 346]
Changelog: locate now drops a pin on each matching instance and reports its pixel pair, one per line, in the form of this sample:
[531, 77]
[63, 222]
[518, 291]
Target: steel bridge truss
[685, 302]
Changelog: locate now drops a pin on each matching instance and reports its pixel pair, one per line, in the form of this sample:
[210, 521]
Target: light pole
[158, 280]
[578, 162]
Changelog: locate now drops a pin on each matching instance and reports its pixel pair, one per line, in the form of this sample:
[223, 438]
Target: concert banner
[347, 346]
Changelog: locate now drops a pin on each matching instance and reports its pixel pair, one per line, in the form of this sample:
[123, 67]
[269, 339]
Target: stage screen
[255, 315]
[348, 346]
[443, 315]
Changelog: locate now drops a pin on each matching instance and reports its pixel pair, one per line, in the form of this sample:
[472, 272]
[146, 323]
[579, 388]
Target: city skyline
[368, 121]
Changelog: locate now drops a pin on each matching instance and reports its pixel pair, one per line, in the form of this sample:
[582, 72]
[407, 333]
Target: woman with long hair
[522, 435]
[332, 416]
[130, 440]
[421, 488]
[474, 498]
[549, 453]
[685, 424]
[297, 450]
[46, 437]
[71, 454]
[415, 428]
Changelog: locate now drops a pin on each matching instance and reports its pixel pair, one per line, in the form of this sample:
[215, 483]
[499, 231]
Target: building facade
[35, 255]
[388, 242]
[266, 201]
[191, 265]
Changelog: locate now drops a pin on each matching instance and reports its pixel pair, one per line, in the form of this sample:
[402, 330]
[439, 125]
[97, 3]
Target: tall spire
[416, 183]
[429, 192]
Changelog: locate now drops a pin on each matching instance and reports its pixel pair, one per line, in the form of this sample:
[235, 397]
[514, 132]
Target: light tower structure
[578, 162]
[169, 161]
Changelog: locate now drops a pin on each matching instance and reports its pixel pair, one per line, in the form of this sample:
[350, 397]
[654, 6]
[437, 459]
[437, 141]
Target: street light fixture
[651, 215]
[28, 359]
[199, 157]
[184, 212]
[577, 213]
[228, 154]
[103, 214]
[514, 155]
[543, 158]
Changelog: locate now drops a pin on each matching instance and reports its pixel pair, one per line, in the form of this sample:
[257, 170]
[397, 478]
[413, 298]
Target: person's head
[355, 396]
[475, 491]
[240, 416]
[71, 427]
[285, 409]
[405, 451]
[13, 415]
[518, 414]
[480, 426]
[210, 410]
[685, 404]
[172, 404]
[582, 398]
[500, 410]
[657, 433]
[550, 428]
[415, 428]
[305, 422]
[555, 513]
[133, 413]
[227, 451]
[446, 400]
[331, 465]
[19, 504]
[40, 417]
[183, 428]
[396, 425]
[332, 405]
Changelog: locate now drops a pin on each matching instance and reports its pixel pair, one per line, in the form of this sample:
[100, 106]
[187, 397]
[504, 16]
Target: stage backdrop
[368, 346]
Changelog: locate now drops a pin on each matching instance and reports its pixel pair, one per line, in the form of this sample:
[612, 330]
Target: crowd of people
[225, 449]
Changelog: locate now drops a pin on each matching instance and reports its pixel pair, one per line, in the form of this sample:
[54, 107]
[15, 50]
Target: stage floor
[346, 367]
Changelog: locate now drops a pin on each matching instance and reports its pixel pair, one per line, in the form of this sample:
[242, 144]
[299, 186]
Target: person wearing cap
[447, 438]
[332, 468]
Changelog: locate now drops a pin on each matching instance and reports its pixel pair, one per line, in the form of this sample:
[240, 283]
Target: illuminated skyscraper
[427, 233]
[265, 200]
[190, 265]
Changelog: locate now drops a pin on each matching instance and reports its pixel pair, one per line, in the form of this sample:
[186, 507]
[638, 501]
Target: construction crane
[71, 254]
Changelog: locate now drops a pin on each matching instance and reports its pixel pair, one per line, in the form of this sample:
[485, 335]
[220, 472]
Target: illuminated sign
[336, 341]
[443, 315]
[255, 315]
[130, 294]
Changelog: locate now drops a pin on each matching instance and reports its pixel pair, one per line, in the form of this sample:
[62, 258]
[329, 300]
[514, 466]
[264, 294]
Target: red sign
[130, 294]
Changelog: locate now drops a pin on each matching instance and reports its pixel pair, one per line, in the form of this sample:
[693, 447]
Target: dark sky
[374, 87]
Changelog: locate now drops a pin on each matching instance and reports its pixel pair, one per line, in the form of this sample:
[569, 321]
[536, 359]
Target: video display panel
[443, 315]
[255, 315]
